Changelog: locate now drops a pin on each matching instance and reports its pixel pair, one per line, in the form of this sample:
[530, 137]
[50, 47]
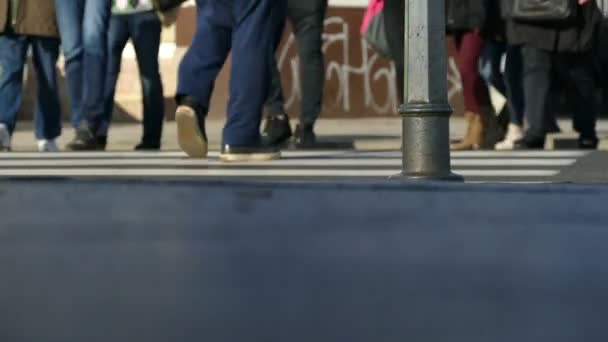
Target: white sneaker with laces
[45, 145]
[514, 133]
[5, 138]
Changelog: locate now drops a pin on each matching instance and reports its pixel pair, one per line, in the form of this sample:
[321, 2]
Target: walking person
[250, 29]
[83, 25]
[559, 50]
[136, 21]
[498, 52]
[468, 23]
[25, 24]
[307, 18]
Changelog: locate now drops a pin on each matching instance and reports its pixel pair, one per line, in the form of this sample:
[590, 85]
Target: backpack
[540, 11]
[373, 29]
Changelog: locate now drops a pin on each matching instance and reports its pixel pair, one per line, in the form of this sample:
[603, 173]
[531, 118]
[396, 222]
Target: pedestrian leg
[145, 33]
[48, 108]
[198, 72]
[118, 36]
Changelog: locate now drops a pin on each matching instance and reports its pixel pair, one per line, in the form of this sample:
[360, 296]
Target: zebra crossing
[525, 166]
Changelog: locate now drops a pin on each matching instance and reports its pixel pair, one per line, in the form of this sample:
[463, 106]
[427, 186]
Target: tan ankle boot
[473, 136]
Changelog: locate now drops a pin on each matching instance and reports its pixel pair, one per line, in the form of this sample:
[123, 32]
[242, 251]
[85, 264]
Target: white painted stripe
[485, 154]
[367, 162]
[296, 154]
[109, 172]
[92, 155]
[519, 154]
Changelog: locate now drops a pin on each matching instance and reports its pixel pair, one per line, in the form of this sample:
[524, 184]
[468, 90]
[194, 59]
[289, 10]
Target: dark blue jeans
[13, 56]
[511, 84]
[249, 29]
[83, 25]
[144, 30]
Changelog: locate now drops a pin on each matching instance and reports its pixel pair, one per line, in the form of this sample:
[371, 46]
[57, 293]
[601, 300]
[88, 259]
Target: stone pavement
[361, 134]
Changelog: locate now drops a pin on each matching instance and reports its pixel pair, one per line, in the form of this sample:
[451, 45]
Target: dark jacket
[463, 15]
[32, 17]
[578, 36]
[483, 15]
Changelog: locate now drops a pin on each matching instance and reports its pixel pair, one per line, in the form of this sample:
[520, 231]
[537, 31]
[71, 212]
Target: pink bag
[372, 28]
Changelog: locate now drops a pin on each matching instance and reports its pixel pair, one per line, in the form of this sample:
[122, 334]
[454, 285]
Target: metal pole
[426, 112]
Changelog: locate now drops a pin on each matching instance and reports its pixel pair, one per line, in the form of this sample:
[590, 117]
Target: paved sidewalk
[360, 134]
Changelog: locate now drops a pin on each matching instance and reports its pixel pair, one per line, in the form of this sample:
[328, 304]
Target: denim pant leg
[253, 46]
[207, 54]
[48, 108]
[308, 19]
[514, 80]
[538, 66]
[13, 50]
[118, 36]
[490, 62]
[145, 31]
[94, 39]
[69, 20]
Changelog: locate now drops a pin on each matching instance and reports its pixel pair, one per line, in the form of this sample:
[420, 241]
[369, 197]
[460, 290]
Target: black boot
[305, 137]
[276, 130]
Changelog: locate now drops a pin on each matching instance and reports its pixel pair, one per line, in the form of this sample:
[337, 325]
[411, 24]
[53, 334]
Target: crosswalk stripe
[116, 172]
[488, 154]
[295, 154]
[284, 162]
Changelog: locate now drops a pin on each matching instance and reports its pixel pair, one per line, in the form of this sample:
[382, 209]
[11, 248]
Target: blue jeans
[13, 56]
[144, 30]
[248, 28]
[511, 84]
[83, 25]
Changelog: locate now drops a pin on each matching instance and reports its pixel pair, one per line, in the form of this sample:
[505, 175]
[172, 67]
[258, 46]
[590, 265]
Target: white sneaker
[5, 138]
[514, 133]
[45, 145]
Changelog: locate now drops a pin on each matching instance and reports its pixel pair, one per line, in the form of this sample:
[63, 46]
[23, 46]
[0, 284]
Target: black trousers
[307, 18]
[394, 22]
[575, 71]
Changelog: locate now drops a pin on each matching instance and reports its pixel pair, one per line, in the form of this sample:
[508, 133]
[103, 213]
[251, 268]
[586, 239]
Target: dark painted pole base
[425, 143]
[451, 177]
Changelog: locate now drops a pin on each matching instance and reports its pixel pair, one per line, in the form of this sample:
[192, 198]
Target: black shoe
[84, 140]
[553, 127]
[526, 144]
[249, 153]
[102, 142]
[588, 144]
[305, 137]
[276, 130]
[191, 134]
[147, 147]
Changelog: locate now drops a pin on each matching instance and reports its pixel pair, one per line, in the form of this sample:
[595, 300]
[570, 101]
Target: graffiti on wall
[357, 78]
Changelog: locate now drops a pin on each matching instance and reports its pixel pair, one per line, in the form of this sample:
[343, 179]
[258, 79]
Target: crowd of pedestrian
[522, 51]
[525, 49]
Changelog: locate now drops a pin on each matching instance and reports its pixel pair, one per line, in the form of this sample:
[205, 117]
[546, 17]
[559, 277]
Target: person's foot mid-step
[191, 135]
[276, 130]
[249, 153]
